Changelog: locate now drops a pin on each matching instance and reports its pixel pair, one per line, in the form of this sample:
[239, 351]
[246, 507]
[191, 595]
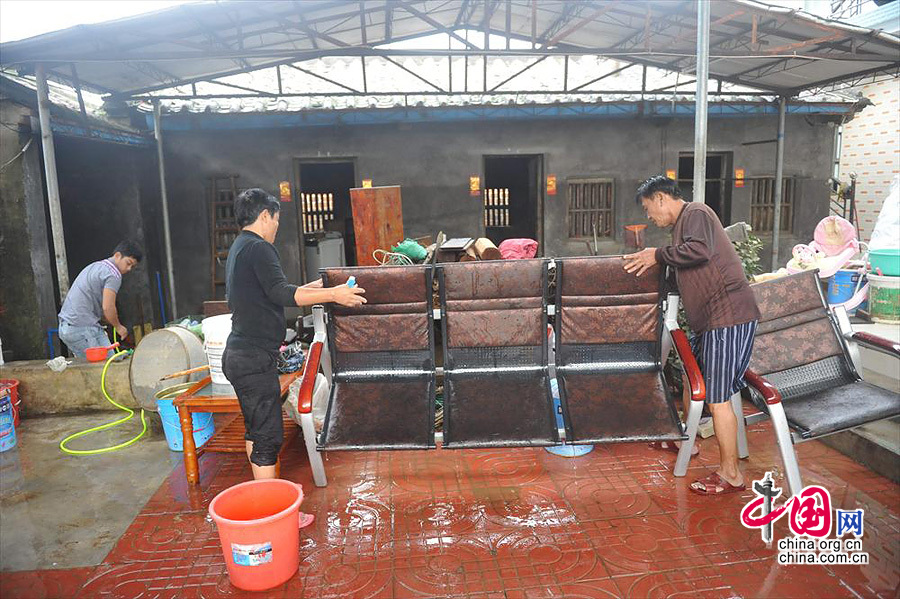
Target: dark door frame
[539, 208]
[726, 181]
[297, 162]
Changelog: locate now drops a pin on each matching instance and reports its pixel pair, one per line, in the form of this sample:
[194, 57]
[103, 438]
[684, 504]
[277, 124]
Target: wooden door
[377, 220]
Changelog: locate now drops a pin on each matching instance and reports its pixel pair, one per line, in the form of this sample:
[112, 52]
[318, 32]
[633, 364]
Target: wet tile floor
[502, 523]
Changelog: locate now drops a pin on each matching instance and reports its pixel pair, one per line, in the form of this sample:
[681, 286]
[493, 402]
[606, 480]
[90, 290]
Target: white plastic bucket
[215, 335]
[884, 298]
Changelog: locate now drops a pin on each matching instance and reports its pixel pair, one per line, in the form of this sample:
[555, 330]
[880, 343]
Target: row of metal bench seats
[612, 335]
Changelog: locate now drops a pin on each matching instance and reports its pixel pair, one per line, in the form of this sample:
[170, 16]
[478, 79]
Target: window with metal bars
[762, 203]
[591, 207]
[318, 208]
[496, 207]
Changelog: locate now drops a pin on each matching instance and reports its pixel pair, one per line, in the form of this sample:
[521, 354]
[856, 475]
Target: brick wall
[871, 149]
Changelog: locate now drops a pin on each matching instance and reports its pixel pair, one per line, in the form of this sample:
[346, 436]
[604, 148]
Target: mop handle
[184, 372]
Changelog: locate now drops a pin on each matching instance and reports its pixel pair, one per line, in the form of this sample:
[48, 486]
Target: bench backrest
[797, 346]
[494, 314]
[607, 318]
[392, 334]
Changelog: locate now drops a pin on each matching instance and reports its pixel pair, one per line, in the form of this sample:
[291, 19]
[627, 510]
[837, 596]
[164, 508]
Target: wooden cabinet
[377, 220]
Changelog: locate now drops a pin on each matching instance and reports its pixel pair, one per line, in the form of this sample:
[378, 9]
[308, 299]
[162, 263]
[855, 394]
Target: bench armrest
[769, 392]
[308, 380]
[691, 369]
[877, 343]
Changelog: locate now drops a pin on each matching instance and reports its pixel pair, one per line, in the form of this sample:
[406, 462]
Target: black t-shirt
[257, 292]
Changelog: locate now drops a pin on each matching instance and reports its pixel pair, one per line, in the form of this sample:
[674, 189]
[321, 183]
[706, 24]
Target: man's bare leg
[725, 425]
[260, 472]
[686, 400]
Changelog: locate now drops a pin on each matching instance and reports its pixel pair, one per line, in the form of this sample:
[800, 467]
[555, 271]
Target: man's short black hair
[657, 184]
[251, 202]
[129, 249]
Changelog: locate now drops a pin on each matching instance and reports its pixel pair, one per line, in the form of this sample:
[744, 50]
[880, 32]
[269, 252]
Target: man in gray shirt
[92, 297]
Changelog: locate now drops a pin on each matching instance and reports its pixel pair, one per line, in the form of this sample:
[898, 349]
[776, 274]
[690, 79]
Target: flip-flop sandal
[672, 448]
[712, 484]
[306, 519]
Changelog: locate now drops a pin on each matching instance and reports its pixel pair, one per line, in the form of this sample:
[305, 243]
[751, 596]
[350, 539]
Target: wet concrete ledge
[75, 390]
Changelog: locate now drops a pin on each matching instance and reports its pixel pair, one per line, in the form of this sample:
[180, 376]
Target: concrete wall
[871, 149]
[27, 300]
[107, 193]
[432, 163]
[100, 188]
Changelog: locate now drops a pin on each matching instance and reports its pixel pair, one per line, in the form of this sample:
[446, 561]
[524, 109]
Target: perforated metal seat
[496, 383]
[609, 326]
[383, 362]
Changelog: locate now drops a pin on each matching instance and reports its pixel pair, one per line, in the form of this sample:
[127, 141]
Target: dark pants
[254, 376]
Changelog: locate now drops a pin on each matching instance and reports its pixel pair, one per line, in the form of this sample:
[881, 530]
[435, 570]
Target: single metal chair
[382, 359]
[610, 345]
[810, 360]
[496, 382]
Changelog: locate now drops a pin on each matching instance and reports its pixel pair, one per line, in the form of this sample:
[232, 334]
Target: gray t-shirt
[83, 306]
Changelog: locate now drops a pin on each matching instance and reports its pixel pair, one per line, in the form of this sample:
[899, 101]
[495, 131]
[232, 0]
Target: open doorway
[512, 206]
[718, 182]
[323, 207]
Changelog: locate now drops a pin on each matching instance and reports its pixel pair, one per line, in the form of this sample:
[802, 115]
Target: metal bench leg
[308, 425]
[743, 450]
[786, 445]
[693, 423]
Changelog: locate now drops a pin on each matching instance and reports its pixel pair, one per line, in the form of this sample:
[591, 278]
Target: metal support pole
[56, 222]
[779, 175]
[700, 112]
[170, 271]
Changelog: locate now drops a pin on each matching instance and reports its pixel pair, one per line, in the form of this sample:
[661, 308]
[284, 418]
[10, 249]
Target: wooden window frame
[578, 218]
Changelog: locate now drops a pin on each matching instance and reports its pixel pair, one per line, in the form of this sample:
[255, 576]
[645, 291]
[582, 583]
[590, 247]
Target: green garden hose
[62, 444]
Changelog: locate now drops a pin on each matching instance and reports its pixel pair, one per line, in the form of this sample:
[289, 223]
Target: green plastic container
[887, 260]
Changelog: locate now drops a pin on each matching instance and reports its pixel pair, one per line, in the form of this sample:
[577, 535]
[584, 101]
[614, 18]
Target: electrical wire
[62, 444]
[22, 151]
[385, 258]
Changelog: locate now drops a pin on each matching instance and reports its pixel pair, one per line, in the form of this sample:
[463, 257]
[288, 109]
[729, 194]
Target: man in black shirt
[257, 292]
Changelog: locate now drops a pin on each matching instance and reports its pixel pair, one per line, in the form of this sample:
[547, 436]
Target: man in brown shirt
[720, 308]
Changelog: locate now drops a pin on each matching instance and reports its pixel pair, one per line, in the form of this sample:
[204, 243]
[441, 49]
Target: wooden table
[230, 438]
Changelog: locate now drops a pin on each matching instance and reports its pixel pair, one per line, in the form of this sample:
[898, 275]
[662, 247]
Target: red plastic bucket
[13, 386]
[259, 527]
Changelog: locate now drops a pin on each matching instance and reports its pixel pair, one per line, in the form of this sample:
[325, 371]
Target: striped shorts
[723, 356]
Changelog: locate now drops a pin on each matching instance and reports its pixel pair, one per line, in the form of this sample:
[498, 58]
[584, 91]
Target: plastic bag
[884, 237]
[321, 390]
[58, 364]
[518, 249]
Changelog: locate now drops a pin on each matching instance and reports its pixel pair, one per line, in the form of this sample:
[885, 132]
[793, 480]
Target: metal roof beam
[323, 78]
[601, 77]
[516, 74]
[212, 35]
[414, 74]
[560, 92]
[437, 25]
[258, 92]
[588, 19]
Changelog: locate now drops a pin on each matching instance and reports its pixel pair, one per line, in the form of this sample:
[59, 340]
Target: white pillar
[779, 175]
[56, 223]
[170, 271]
[700, 101]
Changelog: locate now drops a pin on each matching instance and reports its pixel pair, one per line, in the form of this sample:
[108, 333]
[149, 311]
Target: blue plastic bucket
[566, 451]
[204, 427]
[842, 285]
[7, 423]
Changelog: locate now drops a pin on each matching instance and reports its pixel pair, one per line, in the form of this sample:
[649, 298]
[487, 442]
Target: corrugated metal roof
[753, 44]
